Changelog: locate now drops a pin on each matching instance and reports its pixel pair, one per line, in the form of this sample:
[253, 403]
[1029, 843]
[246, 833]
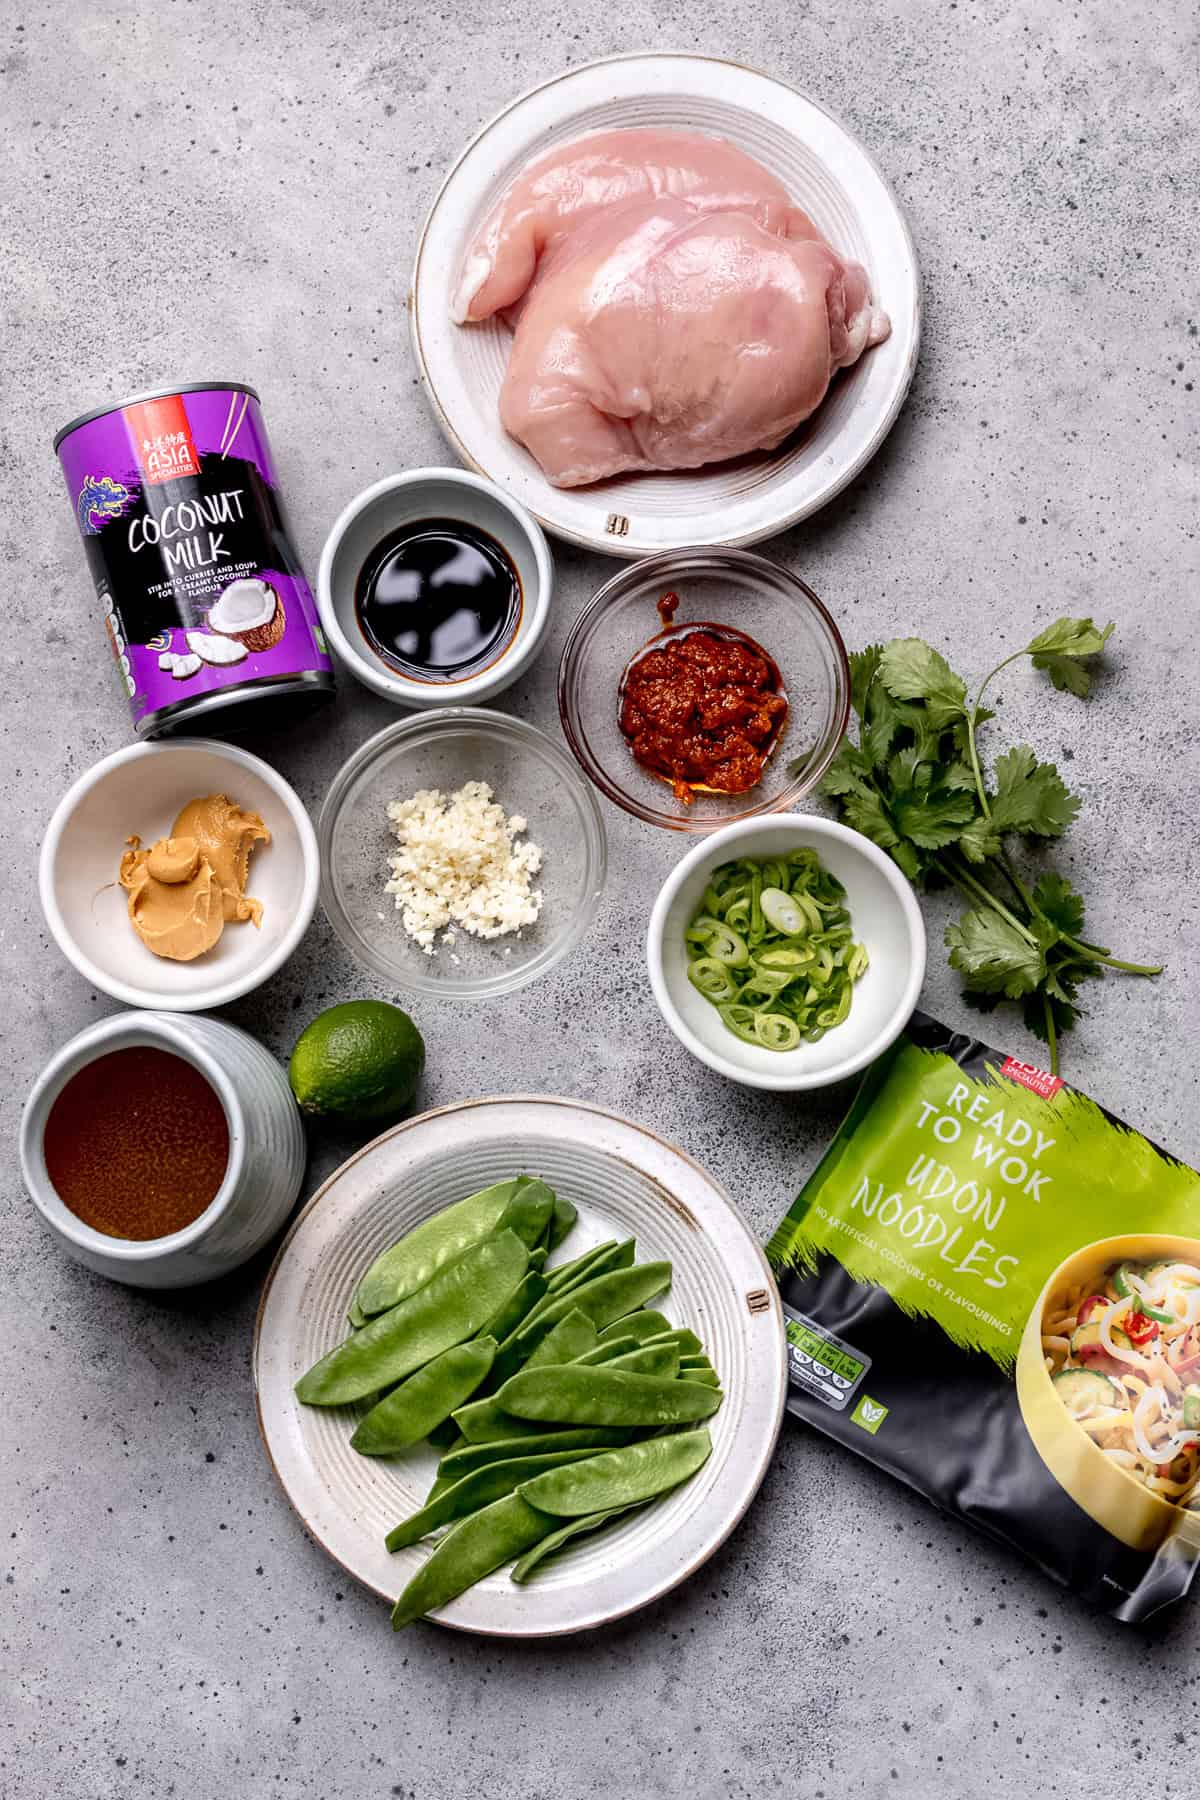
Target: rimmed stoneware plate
[625, 1182]
[828, 173]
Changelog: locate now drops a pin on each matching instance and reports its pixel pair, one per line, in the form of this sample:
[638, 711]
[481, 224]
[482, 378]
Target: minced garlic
[458, 863]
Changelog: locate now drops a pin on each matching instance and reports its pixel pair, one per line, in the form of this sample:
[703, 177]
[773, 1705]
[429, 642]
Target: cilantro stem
[1005, 865]
[973, 720]
[1051, 1033]
[1090, 954]
[962, 878]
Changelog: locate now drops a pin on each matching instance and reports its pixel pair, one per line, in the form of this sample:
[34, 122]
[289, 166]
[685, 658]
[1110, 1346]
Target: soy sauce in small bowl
[438, 600]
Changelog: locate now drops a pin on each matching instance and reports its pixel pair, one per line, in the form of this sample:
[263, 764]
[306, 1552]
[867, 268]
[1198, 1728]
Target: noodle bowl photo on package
[1108, 1380]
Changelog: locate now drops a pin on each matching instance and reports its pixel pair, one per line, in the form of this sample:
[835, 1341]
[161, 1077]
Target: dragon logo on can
[100, 498]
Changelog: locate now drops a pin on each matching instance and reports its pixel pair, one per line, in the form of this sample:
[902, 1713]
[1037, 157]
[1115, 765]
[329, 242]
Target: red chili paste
[702, 706]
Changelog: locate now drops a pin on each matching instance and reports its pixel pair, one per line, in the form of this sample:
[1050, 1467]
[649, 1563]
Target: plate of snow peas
[520, 1366]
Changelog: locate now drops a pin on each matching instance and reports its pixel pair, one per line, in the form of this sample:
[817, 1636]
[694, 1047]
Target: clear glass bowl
[528, 774]
[724, 587]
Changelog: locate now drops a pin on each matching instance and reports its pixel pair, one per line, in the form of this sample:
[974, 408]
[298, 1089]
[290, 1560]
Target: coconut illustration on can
[249, 612]
[206, 604]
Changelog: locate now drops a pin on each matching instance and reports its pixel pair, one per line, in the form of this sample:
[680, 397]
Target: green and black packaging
[992, 1290]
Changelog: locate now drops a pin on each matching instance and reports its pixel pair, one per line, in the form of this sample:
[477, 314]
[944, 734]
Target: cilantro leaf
[848, 773]
[980, 840]
[1031, 796]
[907, 860]
[913, 670]
[956, 775]
[993, 957]
[984, 1003]
[1059, 650]
[1056, 898]
[1071, 637]
[907, 770]
[864, 811]
[863, 667]
[882, 723]
[932, 820]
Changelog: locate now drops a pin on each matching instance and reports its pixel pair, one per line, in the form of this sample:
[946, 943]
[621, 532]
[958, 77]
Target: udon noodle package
[992, 1290]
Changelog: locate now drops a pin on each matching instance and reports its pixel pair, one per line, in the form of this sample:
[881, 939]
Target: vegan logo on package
[870, 1414]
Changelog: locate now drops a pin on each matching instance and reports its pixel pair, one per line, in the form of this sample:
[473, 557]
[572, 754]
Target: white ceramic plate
[827, 172]
[625, 1182]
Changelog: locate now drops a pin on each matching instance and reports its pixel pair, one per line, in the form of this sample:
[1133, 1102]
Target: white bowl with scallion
[786, 953]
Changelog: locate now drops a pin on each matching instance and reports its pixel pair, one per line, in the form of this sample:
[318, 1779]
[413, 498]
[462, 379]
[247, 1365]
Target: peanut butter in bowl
[184, 889]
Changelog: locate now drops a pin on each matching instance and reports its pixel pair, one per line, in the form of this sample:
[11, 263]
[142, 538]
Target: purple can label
[176, 499]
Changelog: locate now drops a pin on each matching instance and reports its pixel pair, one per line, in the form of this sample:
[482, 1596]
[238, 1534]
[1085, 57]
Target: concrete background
[233, 189]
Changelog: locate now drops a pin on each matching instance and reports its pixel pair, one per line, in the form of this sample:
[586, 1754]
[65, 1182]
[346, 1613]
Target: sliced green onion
[740, 1020]
[785, 956]
[712, 978]
[781, 911]
[771, 945]
[775, 1031]
[719, 939]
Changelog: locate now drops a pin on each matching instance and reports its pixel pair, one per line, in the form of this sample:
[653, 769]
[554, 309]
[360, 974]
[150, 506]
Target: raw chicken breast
[656, 337]
[568, 186]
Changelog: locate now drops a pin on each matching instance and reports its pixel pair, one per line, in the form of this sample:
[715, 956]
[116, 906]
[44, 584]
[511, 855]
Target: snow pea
[477, 1545]
[528, 1212]
[642, 1325]
[567, 1394]
[604, 1299]
[517, 1307]
[356, 1318]
[447, 1310]
[563, 1341]
[603, 1258]
[406, 1266]
[562, 1222]
[561, 1275]
[649, 1359]
[483, 1422]
[430, 1395]
[549, 1546]
[474, 1491]
[470, 1457]
[573, 1336]
[604, 1353]
[619, 1477]
[686, 1342]
[706, 1377]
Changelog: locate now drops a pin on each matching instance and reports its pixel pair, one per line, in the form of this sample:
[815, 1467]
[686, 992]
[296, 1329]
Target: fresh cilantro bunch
[914, 785]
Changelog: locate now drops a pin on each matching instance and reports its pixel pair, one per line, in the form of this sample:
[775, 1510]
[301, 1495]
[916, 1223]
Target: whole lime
[358, 1063]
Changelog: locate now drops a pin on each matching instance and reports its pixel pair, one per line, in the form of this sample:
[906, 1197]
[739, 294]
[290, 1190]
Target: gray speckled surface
[234, 190]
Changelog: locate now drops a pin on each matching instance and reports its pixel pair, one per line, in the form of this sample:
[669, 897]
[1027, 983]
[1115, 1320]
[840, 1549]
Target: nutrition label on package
[821, 1362]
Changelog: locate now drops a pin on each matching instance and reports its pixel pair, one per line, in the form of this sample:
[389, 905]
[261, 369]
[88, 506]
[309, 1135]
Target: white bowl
[140, 790]
[826, 170]
[433, 494]
[885, 917]
[266, 1152]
